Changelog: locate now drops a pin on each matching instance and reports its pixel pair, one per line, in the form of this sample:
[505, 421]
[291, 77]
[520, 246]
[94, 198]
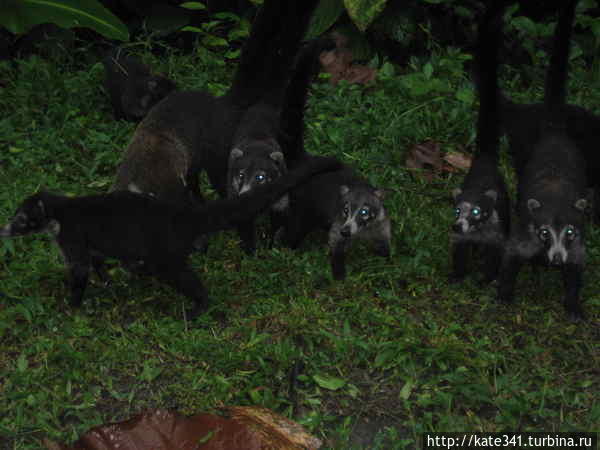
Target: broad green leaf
[331, 383]
[325, 15]
[193, 5]
[19, 16]
[214, 41]
[363, 12]
[407, 389]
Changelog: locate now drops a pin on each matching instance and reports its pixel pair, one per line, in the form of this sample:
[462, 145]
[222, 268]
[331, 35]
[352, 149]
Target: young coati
[133, 89]
[481, 204]
[191, 131]
[551, 189]
[144, 233]
[340, 201]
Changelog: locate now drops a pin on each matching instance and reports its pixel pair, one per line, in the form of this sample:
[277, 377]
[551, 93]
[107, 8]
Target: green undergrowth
[391, 352]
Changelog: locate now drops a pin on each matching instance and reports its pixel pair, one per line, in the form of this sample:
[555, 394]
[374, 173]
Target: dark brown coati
[551, 189]
[191, 131]
[341, 201]
[481, 204]
[132, 87]
[144, 233]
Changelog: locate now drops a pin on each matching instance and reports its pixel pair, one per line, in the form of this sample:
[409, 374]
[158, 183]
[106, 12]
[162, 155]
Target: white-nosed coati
[143, 232]
[340, 201]
[551, 189]
[190, 131]
[481, 204]
[133, 89]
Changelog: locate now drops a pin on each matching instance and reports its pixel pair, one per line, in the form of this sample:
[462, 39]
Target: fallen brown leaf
[338, 63]
[425, 157]
[243, 428]
[458, 160]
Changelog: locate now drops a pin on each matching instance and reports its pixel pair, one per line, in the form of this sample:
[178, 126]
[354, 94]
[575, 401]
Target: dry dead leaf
[459, 160]
[243, 428]
[426, 157]
[338, 63]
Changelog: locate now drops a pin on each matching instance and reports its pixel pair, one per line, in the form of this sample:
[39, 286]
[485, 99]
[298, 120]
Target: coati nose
[556, 260]
[345, 232]
[457, 228]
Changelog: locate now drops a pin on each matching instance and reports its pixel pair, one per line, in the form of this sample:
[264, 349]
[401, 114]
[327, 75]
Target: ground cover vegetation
[391, 352]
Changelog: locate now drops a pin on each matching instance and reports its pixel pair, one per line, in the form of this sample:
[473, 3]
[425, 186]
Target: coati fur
[191, 131]
[341, 201]
[142, 232]
[481, 204]
[132, 87]
[551, 189]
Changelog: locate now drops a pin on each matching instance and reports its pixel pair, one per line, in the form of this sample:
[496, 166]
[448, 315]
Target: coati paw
[201, 244]
[575, 313]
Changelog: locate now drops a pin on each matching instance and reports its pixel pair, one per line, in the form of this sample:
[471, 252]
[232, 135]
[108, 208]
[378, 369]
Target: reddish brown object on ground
[338, 63]
[427, 157]
[243, 428]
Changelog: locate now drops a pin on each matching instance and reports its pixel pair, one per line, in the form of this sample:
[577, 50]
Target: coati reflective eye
[476, 211]
[241, 175]
[457, 211]
[570, 232]
[364, 212]
[260, 178]
[544, 234]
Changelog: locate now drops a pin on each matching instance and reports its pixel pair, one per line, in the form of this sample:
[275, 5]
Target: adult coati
[142, 232]
[341, 201]
[551, 189]
[481, 204]
[132, 87]
[190, 131]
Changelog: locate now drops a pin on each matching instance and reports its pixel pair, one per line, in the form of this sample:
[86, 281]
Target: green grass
[391, 352]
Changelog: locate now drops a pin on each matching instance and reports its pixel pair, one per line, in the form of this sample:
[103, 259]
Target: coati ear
[581, 204]
[533, 204]
[344, 189]
[379, 193]
[277, 157]
[152, 84]
[491, 193]
[456, 192]
[235, 154]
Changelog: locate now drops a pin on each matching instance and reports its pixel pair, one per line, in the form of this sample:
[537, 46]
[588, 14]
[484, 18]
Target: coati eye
[260, 178]
[363, 212]
[476, 211]
[570, 233]
[544, 234]
[241, 175]
[346, 210]
[457, 212]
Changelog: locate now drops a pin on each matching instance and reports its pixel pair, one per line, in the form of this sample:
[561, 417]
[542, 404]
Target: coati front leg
[572, 275]
[460, 256]
[338, 260]
[77, 259]
[99, 266]
[507, 279]
[491, 264]
[247, 233]
[187, 283]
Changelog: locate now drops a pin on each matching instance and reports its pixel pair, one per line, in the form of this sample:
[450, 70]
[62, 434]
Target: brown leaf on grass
[338, 63]
[243, 428]
[458, 160]
[426, 158]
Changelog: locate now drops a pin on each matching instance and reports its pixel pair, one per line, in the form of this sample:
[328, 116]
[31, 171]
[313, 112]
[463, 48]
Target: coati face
[30, 218]
[361, 207]
[561, 235]
[253, 166]
[473, 210]
[143, 94]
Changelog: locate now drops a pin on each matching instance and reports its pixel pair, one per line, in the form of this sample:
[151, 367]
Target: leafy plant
[19, 16]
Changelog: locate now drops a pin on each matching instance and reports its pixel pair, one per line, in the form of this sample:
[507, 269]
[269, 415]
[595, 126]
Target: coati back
[191, 131]
[133, 89]
[481, 204]
[551, 189]
[341, 201]
[144, 233]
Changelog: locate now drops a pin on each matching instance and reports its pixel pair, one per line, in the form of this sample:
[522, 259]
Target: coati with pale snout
[341, 201]
[143, 232]
[191, 131]
[481, 204]
[551, 189]
[132, 87]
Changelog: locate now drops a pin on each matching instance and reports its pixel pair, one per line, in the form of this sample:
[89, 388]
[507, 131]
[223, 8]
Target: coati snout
[472, 210]
[30, 218]
[361, 206]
